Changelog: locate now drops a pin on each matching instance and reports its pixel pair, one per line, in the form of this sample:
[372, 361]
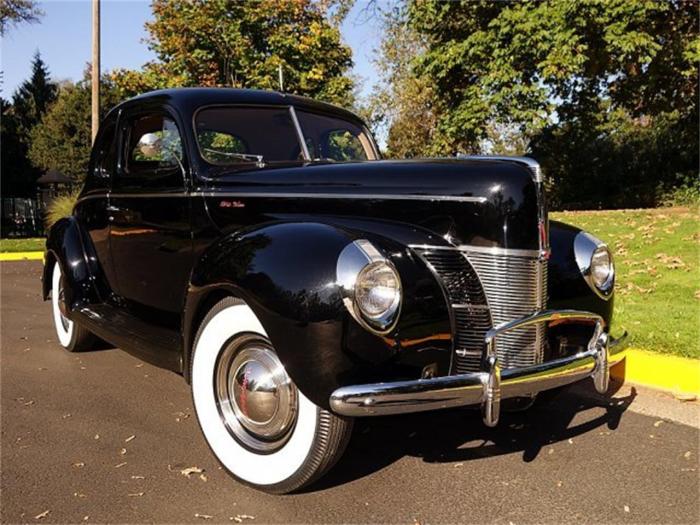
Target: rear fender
[66, 245]
[286, 273]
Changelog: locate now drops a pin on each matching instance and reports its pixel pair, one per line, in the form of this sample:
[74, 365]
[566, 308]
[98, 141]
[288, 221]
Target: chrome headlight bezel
[586, 248]
[355, 261]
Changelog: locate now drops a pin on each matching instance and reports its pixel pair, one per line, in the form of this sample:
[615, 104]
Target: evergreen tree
[29, 104]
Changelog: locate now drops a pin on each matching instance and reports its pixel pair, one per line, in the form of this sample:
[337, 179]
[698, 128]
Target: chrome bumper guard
[491, 384]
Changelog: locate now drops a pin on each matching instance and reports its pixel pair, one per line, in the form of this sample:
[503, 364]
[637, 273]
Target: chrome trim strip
[295, 195]
[492, 250]
[364, 196]
[490, 385]
[300, 134]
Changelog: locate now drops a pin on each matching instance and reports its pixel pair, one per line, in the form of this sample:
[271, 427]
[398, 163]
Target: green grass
[657, 258]
[22, 245]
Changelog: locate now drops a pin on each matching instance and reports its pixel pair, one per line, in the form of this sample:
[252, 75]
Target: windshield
[233, 135]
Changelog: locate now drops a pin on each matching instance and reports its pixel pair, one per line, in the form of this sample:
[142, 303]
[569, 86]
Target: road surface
[102, 437]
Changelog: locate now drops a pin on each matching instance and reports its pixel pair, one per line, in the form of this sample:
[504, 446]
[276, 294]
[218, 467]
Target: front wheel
[261, 428]
[71, 335]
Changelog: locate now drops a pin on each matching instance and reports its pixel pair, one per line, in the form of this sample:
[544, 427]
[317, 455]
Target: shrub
[685, 194]
[61, 206]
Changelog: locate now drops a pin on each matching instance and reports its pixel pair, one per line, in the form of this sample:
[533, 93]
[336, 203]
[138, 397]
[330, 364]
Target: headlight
[596, 264]
[378, 292]
[601, 267]
[371, 286]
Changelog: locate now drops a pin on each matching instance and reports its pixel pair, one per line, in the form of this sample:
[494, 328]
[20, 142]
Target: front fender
[65, 244]
[286, 273]
[567, 287]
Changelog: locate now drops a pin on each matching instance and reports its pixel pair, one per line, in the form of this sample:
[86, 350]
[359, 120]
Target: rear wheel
[71, 335]
[261, 428]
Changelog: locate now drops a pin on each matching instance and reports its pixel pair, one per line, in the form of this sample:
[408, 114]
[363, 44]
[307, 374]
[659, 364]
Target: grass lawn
[657, 289]
[22, 245]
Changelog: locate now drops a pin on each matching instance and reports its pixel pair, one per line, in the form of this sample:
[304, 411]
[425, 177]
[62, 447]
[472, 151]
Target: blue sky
[63, 38]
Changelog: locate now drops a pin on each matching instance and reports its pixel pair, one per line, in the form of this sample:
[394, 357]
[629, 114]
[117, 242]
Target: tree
[557, 70]
[33, 97]
[402, 101]
[29, 103]
[62, 140]
[14, 12]
[241, 44]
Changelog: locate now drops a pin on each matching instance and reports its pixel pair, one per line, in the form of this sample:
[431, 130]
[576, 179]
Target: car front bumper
[488, 386]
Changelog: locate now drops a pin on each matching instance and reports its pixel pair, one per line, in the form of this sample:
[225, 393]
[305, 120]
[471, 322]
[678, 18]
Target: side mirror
[150, 146]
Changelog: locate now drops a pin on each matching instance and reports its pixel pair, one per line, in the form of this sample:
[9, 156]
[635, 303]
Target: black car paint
[272, 237]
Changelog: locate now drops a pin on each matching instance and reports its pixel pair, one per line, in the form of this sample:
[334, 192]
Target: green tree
[237, 43]
[29, 103]
[14, 12]
[582, 86]
[403, 101]
[62, 140]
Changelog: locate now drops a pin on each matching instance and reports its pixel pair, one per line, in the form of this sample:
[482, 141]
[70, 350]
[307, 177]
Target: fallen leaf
[458, 465]
[42, 515]
[203, 477]
[120, 465]
[203, 516]
[28, 403]
[687, 455]
[85, 518]
[627, 508]
[571, 441]
[658, 423]
[78, 464]
[130, 438]
[122, 452]
[191, 470]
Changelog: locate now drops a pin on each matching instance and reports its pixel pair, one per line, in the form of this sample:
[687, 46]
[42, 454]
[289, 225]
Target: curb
[678, 375]
[22, 256]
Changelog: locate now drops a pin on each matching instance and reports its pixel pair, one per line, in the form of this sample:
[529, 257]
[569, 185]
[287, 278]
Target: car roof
[189, 100]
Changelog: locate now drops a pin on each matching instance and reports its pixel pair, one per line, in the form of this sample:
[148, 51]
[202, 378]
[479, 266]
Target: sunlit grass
[22, 245]
[657, 257]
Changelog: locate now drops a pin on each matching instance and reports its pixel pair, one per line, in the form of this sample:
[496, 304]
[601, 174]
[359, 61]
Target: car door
[149, 213]
[91, 209]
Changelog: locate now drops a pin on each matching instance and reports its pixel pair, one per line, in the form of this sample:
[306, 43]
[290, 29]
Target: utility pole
[95, 67]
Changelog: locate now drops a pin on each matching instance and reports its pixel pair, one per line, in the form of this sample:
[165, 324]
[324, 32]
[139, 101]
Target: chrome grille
[515, 286]
[470, 310]
[486, 288]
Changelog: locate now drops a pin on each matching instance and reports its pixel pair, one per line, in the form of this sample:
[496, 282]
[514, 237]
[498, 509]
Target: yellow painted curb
[679, 375]
[22, 256]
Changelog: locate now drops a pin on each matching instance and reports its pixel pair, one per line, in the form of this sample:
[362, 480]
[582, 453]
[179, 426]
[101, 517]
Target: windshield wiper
[258, 159]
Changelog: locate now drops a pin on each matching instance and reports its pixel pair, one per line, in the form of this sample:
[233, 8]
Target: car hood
[491, 203]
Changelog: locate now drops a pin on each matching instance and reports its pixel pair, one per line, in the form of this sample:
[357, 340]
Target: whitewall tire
[71, 335]
[261, 428]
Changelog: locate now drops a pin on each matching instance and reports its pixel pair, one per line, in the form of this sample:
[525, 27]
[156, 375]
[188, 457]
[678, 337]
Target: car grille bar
[515, 286]
[486, 288]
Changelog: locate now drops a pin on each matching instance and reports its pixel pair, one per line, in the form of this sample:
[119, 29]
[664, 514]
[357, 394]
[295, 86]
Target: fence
[22, 217]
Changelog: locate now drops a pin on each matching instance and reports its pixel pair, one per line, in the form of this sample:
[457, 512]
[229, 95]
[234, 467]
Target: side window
[218, 147]
[343, 145]
[153, 149]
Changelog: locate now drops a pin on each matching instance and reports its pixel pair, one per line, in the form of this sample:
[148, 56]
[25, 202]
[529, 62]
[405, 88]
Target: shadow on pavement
[460, 436]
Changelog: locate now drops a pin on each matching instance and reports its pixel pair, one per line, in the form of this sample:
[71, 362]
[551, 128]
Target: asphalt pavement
[102, 437]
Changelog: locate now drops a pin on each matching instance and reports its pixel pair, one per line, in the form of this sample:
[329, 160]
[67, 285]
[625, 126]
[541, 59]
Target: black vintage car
[255, 243]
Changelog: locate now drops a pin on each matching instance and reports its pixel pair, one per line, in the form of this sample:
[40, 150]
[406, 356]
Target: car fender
[566, 285]
[286, 273]
[66, 244]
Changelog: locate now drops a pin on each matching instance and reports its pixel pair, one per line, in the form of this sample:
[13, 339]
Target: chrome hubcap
[257, 401]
